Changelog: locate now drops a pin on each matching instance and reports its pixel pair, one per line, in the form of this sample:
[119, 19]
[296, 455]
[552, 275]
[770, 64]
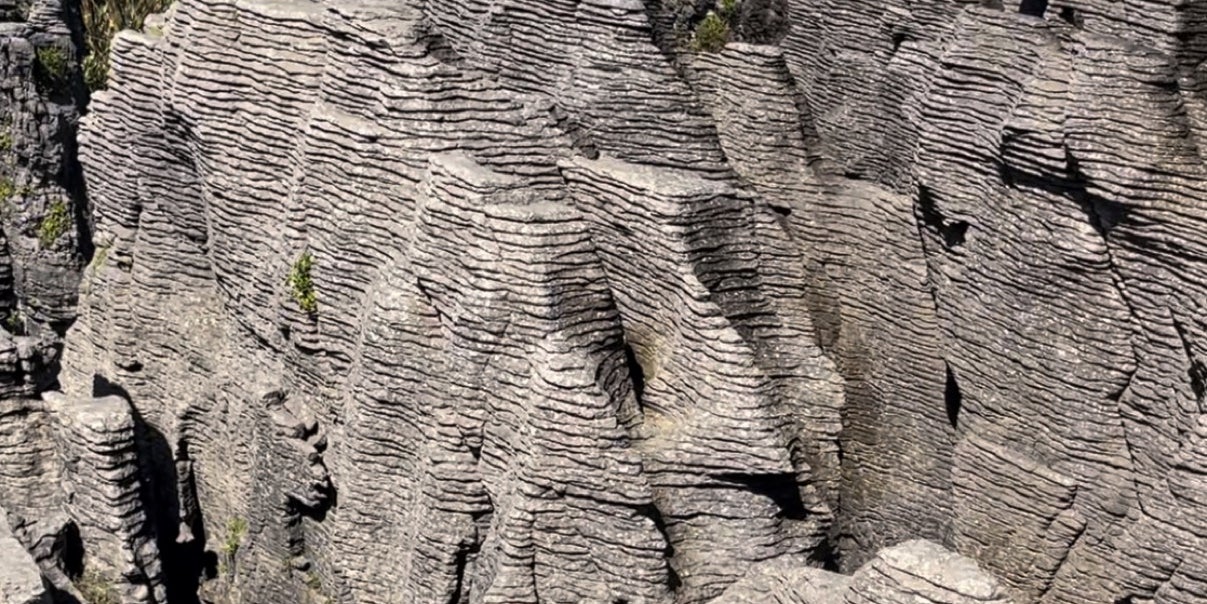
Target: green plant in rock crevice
[716, 29]
[236, 529]
[301, 286]
[102, 20]
[15, 322]
[96, 589]
[99, 258]
[54, 64]
[728, 9]
[315, 584]
[54, 224]
[6, 136]
[232, 542]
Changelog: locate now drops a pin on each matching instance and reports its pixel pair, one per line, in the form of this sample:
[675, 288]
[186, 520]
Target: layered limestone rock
[478, 301]
[43, 216]
[914, 572]
[20, 579]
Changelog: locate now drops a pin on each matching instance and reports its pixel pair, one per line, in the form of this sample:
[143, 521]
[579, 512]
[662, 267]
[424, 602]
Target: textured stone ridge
[909, 289]
[914, 572]
[20, 579]
[43, 219]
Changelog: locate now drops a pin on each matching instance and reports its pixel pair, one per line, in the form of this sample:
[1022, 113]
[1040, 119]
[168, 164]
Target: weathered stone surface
[597, 319]
[40, 181]
[915, 572]
[54, 543]
[103, 493]
[20, 579]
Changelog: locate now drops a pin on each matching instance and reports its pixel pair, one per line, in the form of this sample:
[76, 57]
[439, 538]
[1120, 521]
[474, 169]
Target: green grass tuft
[102, 20]
[712, 34]
[6, 137]
[15, 323]
[54, 224]
[236, 529]
[96, 589]
[301, 286]
[54, 64]
[728, 10]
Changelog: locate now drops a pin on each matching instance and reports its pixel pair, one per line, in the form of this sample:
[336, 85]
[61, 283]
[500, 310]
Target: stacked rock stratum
[542, 301]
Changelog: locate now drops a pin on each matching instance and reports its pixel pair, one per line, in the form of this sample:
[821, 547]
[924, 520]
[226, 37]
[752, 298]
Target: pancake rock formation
[608, 301]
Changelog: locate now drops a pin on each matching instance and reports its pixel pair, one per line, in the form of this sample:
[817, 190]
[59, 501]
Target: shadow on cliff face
[181, 553]
[952, 232]
[1035, 8]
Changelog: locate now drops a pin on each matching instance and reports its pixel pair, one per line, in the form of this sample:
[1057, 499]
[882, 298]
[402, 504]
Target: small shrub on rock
[102, 20]
[96, 589]
[54, 224]
[712, 34]
[301, 286]
[53, 65]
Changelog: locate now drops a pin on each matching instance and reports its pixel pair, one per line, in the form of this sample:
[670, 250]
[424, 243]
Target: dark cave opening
[827, 556]
[636, 373]
[783, 489]
[898, 39]
[1035, 8]
[953, 233]
[1198, 380]
[652, 512]
[1071, 16]
[953, 398]
[1106, 214]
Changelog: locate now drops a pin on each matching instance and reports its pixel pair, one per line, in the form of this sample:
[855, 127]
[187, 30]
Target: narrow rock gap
[1197, 372]
[182, 563]
[636, 375]
[898, 39]
[651, 511]
[1071, 16]
[952, 397]
[431, 302]
[461, 563]
[1104, 216]
[827, 555]
[953, 233]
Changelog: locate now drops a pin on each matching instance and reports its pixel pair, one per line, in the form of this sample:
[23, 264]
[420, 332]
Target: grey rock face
[20, 579]
[478, 302]
[42, 211]
[102, 492]
[915, 572]
[54, 543]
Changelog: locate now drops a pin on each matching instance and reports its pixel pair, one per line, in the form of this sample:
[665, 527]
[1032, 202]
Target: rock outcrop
[914, 572]
[20, 578]
[45, 235]
[484, 301]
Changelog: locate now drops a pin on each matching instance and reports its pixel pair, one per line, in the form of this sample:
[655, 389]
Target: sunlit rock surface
[907, 290]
